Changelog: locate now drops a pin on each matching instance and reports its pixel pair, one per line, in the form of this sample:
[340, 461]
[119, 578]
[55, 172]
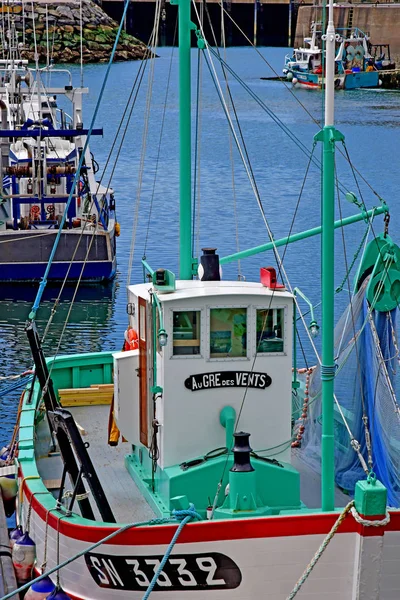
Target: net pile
[367, 358]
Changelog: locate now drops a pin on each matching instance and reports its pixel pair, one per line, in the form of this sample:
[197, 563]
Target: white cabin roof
[196, 288]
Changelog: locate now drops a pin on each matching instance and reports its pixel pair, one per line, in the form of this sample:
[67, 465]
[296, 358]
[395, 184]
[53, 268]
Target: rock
[63, 21]
[89, 35]
[65, 11]
[93, 45]
[122, 55]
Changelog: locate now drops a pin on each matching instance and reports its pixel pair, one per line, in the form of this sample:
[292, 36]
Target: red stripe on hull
[309, 84]
[261, 527]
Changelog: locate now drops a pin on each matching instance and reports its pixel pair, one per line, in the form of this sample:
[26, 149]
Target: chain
[368, 442]
[386, 220]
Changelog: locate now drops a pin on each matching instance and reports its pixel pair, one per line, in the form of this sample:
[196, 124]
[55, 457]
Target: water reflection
[86, 331]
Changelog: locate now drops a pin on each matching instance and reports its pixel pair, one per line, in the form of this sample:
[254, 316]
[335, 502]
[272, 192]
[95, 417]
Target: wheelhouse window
[186, 332]
[228, 332]
[270, 329]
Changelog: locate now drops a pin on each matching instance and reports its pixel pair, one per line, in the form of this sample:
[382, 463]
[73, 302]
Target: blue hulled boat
[48, 180]
[355, 67]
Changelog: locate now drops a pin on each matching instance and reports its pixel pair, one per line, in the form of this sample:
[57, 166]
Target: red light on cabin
[268, 279]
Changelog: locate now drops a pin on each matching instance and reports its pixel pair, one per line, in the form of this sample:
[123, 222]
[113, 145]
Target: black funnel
[209, 265]
[241, 453]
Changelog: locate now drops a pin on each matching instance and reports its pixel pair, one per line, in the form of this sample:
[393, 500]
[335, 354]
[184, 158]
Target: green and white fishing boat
[185, 508]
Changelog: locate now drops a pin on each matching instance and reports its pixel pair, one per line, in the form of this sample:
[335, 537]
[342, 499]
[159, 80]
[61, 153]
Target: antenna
[330, 39]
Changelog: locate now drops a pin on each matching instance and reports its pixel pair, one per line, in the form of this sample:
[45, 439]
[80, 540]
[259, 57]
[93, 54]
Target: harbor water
[369, 119]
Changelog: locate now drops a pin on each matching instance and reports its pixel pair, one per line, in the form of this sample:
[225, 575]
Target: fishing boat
[307, 56]
[211, 494]
[355, 67]
[50, 200]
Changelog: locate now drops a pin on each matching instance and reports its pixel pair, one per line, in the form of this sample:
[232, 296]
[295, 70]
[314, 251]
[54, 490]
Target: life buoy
[131, 339]
[35, 212]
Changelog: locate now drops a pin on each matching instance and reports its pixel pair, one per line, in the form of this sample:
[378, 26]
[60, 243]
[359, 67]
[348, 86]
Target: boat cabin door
[143, 393]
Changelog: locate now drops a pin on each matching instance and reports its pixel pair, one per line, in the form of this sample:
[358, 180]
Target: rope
[355, 257]
[11, 388]
[367, 522]
[163, 521]
[8, 377]
[184, 516]
[299, 436]
[153, 45]
[70, 493]
[78, 170]
[320, 550]
[157, 161]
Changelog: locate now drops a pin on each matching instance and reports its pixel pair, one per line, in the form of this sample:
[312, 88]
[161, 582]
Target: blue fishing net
[365, 388]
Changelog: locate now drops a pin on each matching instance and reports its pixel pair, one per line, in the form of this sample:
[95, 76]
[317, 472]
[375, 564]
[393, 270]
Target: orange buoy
[131, 339]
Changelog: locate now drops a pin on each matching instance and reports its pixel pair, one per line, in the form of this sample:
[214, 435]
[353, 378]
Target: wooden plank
[8, 583]
[90, 390]
[93, 395]
[104, 386]
[85, 401]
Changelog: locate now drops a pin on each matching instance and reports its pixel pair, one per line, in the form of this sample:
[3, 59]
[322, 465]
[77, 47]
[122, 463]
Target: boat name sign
[222, 379]
[182, 572]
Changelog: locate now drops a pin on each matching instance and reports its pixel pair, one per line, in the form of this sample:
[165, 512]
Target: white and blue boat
[48, 180]
[354, 65]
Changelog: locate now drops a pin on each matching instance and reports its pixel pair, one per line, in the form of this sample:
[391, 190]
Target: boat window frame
[171, 312]
[284, 352]
[230, 359]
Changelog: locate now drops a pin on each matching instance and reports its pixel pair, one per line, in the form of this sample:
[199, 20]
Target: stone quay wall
[380, 21]
[60, 23]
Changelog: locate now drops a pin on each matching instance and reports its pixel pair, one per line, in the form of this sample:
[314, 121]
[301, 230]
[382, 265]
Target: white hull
[264, 558]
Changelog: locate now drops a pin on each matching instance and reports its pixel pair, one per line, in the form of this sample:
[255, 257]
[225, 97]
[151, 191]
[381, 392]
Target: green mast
[328, 136]
[185, 147]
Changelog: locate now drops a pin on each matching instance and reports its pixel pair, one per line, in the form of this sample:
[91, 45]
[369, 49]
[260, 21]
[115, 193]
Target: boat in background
[355, 66]
[308, 57]
[381, 57]
[46, 182]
